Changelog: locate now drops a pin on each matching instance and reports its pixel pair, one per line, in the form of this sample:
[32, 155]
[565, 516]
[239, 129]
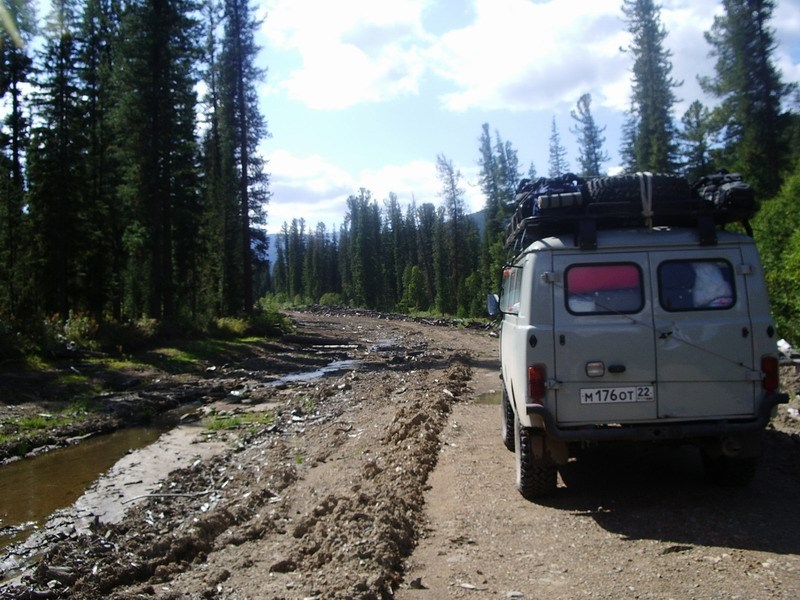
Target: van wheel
[729, 472]
[507, 416]
[535, 477]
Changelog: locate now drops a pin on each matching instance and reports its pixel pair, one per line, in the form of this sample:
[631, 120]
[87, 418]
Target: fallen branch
[169, 495]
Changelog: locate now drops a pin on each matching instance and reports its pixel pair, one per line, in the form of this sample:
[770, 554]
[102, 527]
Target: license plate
[613, 395]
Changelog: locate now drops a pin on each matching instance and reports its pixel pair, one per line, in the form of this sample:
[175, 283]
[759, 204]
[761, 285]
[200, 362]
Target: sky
[367, 93]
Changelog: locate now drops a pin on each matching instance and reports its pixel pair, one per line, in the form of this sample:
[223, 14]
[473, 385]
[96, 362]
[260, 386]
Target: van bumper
[658, 431]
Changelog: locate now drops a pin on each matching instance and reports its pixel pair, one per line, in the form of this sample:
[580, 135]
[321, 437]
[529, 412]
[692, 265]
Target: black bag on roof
[731, 198]
[536, 197]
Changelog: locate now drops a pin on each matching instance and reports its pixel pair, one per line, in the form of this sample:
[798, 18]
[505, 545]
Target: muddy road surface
[388, 479]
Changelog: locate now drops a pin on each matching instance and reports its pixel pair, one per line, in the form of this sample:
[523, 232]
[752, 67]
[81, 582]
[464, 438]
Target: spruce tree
[155, 127]
[101, 211]
[749, 87]
[558, 164]
[649, 136]
[56, 163]
[15, 69]
[245, 128]
[591, 155]
[452, 244]
[696, 142]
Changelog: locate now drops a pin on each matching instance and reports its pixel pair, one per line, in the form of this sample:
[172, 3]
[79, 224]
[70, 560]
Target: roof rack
[640, 200]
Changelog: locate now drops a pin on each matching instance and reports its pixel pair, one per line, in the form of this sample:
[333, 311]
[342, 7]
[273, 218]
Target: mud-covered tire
[506, 421]
[628, 189]
[727, 471]
[535, 478]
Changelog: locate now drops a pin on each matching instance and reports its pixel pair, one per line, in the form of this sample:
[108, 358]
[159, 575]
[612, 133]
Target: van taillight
[769, 368]
[537, 376]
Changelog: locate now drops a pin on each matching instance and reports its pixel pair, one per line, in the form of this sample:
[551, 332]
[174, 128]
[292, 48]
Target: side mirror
[493, 305]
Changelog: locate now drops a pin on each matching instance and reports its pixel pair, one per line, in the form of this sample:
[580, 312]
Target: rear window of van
[604, 289]
[696, 285]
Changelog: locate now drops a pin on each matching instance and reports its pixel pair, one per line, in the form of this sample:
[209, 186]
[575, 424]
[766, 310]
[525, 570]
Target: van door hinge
[552, 384]
[745, 269]
[551, 277]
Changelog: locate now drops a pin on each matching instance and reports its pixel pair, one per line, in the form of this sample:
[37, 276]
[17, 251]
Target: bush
[269, 323]
[78, 331]
[331, 299]
[776, 229]
[230, 327]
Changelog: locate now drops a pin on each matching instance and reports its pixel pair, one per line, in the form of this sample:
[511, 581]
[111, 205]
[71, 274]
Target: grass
[15, 429]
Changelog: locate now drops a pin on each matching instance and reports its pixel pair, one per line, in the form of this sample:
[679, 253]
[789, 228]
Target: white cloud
[521, 55]
[351, 51]
[515, 55]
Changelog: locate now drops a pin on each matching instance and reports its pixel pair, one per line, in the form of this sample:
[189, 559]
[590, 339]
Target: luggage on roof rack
[566, 204]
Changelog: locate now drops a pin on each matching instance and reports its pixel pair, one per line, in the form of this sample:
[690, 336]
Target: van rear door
[704, 342]
[605, 365]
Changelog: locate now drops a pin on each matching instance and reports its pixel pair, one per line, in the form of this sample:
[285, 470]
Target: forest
[133, 205]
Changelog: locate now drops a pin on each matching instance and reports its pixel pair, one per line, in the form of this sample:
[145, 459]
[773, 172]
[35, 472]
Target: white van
[634, 333]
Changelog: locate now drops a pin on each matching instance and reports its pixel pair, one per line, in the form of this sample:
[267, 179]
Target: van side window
[696, 285]
[604, 289]
[511, 291]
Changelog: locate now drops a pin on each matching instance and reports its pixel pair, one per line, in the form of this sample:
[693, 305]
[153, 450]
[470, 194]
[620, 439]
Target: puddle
[488, 398]
[305, 376]
[32, 489]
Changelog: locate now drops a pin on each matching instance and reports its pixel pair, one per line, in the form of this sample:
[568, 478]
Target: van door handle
[664, 335]
[616, 368]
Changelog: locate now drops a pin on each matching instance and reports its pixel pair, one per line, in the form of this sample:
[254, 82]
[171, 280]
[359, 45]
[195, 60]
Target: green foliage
[696, 142]
[750, 90]
[591, 154]
[649, 134]
[558, 154]
[331, 299]
[776, 229]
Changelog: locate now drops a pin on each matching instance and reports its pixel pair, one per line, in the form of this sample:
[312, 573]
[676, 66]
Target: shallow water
[33, 488]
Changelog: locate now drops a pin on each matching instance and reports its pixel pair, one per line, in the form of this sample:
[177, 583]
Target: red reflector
[769, 369]
[537, 376]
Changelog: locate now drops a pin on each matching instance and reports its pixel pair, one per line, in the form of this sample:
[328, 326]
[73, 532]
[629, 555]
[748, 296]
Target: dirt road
[389, 480]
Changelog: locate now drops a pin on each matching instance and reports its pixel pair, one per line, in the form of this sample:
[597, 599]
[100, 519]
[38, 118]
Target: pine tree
[155, 121]
[452, 240]
[508, 171]
[56, 163]
[558, 154]
[499, 177]
[490, 182]
[364, 240]
[221, 278]
[751, 91]
[649, 134]
[101, 212]
[426, 218]
[15, 68]
[696, 142]
[395, 246]
[591, 155]
[245, 128]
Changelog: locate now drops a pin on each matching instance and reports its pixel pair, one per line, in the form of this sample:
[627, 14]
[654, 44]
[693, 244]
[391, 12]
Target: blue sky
[366, 93]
